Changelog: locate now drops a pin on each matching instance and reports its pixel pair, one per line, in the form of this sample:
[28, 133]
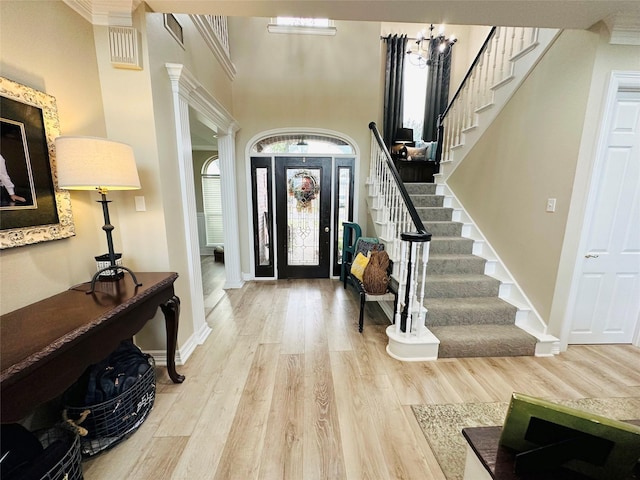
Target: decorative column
[182, 86]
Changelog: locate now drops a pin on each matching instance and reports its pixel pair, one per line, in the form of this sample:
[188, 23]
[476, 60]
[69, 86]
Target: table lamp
[90, 163]
[403, 136]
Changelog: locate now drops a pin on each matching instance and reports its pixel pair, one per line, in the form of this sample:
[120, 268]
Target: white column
[182, 86]
[227, 155]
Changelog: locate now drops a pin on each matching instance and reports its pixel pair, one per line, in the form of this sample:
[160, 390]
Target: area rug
[442, 424]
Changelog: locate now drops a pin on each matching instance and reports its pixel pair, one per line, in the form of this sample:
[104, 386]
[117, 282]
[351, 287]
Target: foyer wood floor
[286, 388]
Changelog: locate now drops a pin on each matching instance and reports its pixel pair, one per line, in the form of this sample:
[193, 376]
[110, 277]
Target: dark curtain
[393, 86]
[437, 93]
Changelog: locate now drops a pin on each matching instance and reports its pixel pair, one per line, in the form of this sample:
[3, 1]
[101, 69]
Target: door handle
[326, 229]
[591, 256]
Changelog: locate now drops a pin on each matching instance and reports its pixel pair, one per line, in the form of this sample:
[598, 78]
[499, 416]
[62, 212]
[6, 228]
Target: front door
[303, 216]
[607, 304]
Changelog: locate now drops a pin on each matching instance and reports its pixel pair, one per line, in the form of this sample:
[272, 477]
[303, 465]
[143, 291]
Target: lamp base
[110, 274]
[110, 268]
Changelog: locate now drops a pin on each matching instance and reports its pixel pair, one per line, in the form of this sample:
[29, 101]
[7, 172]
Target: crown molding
[624, 29]
[105, 12]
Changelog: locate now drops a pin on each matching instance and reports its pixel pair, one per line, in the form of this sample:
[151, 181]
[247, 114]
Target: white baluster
[425, 260]
[521, 42]
[513, 42]
[503, 53]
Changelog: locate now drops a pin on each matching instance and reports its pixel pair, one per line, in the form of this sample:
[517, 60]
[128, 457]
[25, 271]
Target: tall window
[415, 94]
[212, 203]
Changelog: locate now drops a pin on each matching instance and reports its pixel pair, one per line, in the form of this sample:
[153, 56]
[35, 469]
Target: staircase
[472, 303]
[465, 312]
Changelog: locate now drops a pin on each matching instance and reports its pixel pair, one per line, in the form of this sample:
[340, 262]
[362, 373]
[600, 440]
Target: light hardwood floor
[286, 388]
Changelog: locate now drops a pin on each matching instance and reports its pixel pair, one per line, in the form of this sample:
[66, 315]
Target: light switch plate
[140, 205]
[551, 204]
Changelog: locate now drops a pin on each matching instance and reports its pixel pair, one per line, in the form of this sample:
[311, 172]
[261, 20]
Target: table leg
[171, 310]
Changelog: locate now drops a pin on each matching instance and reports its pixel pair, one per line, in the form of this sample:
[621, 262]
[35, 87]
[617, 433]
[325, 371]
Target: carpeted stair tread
[420, 188]
[469, 311]
[434, 213]
[451, 245]
[464, 310]
[459, 341]
[452, 286]
[455, 263]
[427, 200]
[444, 228]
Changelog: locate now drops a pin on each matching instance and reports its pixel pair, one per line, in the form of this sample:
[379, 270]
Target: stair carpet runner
[464, 311]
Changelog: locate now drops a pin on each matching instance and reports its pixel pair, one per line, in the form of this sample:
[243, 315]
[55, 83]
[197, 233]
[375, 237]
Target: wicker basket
[110, 422]
[70, 465]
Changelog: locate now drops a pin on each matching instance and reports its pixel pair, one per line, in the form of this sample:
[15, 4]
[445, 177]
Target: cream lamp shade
[91, 163]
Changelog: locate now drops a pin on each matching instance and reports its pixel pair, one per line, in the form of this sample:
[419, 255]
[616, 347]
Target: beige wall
[47, 46]
[527, 155]
[304, 81]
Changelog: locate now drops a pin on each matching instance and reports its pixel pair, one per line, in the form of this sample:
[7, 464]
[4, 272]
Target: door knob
[326, 229]
[591, 256]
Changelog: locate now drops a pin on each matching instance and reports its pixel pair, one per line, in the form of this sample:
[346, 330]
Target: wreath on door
[303, 186]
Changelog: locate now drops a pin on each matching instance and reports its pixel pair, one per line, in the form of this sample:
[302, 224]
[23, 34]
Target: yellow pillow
[359, 264]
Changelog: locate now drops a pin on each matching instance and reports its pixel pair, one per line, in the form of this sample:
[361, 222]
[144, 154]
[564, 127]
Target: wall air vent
[125, 48]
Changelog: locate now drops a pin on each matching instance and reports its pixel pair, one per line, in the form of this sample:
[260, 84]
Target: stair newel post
[408, 293]
[440, 139]
[402, 286]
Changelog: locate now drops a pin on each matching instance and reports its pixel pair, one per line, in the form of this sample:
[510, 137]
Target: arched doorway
[302, 190]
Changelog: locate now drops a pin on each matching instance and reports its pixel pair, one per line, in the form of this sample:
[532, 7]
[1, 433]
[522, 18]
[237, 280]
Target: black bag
[111, 377]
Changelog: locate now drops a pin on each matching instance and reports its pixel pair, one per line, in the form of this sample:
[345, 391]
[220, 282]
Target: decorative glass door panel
[261, 179]
[303, 196]
[343, 206]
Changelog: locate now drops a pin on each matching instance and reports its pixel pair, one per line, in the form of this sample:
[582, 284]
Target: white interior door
[607, 301]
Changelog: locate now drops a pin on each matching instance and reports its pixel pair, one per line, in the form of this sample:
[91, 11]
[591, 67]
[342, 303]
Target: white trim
[182, 353]
[251, 275]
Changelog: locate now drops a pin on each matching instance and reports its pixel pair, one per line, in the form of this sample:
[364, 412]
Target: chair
[352, 244]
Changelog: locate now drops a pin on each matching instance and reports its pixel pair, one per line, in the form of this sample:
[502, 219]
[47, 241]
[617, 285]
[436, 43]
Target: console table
[416, 171]
[46, 346]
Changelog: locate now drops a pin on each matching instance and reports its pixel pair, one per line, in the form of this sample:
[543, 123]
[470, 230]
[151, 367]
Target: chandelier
[426, 51]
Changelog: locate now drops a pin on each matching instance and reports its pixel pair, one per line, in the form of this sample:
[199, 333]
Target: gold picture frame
[28, 128]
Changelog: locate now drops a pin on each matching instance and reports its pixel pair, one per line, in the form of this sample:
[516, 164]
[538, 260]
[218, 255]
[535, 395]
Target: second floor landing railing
[406, 239]
[492, 67]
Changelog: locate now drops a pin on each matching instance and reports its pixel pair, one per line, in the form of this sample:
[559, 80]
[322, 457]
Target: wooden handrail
[415, 218]
[469, 72]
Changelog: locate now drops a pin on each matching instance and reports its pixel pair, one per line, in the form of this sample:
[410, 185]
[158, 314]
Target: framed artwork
[32, 207]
